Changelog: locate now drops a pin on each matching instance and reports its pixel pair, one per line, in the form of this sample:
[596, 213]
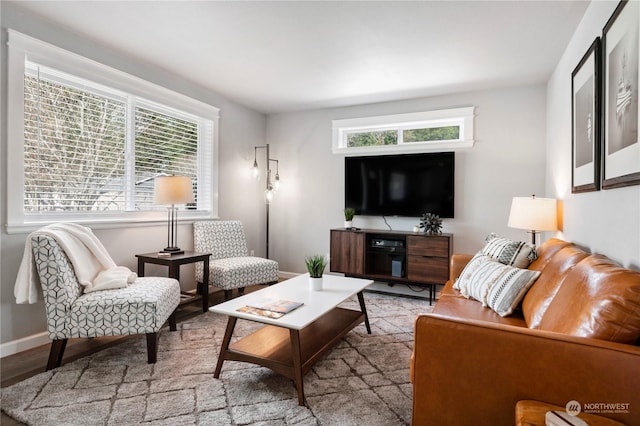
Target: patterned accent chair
[140, 308]
[230, 265]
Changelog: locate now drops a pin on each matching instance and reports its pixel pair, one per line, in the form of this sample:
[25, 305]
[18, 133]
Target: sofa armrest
[457, 264]
[474, 372]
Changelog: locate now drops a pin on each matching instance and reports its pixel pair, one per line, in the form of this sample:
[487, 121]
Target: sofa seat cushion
[141, 307]
[555, 259]
[459, 307]
[598, 299]
[449, 291]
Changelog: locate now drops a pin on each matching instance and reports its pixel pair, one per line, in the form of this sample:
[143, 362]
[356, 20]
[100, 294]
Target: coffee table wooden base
[290, 352]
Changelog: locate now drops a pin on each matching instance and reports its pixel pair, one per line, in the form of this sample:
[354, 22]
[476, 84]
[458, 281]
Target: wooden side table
[174, 262]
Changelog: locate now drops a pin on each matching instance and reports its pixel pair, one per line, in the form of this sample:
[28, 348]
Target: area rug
[364, 380]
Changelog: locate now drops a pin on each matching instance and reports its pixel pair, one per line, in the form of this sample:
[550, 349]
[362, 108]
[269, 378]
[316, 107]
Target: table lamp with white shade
[534, 214]
[172, 190]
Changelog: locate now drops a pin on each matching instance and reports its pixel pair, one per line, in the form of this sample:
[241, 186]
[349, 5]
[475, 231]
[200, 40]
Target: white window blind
[165, 144]
[74, 145]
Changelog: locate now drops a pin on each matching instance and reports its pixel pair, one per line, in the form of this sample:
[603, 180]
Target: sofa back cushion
[598, 299]
[555, 259]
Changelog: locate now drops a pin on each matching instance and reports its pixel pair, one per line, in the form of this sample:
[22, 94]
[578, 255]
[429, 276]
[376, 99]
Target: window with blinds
[89, 148]
[85, 141]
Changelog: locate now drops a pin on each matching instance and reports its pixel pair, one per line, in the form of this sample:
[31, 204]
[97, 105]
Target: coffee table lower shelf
[289, 352]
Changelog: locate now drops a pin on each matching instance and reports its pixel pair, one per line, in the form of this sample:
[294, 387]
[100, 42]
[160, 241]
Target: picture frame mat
[624, 161]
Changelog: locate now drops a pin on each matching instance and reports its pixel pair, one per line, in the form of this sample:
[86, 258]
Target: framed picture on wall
[585, 129]
[621, 51]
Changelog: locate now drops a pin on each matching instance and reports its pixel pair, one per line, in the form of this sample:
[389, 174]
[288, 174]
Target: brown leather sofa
[575, 338]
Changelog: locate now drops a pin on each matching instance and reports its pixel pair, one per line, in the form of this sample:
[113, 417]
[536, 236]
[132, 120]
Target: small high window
[413, 132]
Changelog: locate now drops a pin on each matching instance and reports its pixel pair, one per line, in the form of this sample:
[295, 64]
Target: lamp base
[172, 250]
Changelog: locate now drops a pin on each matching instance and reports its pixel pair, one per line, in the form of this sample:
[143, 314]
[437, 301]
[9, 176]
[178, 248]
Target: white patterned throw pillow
[509, 252]
[505, 251]
[497, 286]
[469, 270]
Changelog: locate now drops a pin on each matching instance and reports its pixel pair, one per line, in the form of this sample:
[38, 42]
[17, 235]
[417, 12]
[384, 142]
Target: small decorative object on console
[431, 223]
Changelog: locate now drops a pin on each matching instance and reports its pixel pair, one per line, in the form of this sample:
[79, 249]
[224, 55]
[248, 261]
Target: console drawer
[433, 246]
[433, 270]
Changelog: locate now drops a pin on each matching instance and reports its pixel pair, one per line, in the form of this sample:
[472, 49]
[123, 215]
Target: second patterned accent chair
[141, 307]
[230, 266]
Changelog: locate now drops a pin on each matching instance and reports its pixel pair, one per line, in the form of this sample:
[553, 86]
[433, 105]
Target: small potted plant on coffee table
[315, 266]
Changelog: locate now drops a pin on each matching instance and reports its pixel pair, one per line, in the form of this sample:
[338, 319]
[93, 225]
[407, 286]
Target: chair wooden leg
[56, 353]
[241, 291]
[152, 348]
[227, 295]
[172, 320]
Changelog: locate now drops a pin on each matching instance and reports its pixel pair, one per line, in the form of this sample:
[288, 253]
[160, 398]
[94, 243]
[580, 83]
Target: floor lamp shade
[533, 214]
[172, 190]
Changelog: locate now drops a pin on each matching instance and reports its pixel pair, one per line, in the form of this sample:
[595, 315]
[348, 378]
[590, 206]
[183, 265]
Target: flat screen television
[401, 185]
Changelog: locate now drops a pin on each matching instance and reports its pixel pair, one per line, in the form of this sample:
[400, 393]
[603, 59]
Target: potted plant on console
[315, 266]
[349, 212]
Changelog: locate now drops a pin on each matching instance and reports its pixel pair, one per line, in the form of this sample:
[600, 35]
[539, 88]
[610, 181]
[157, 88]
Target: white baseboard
[23, 344]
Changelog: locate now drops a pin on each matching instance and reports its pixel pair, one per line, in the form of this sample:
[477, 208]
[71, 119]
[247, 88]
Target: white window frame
[462, 117]
[22, 47]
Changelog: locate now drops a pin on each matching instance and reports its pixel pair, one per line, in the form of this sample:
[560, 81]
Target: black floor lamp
[271, 187]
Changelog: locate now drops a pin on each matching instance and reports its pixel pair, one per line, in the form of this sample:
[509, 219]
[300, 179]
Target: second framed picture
[621, 146]
[585, 110]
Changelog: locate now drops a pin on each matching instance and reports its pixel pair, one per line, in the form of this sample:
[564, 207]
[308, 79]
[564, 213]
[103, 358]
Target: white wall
[239, 198]
[507, 161]
[606, 221]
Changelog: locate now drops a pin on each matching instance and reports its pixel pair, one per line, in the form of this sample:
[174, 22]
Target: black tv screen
[401, 185]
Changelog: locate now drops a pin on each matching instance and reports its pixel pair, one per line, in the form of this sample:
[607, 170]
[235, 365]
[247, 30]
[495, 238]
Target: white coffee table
[290, 345]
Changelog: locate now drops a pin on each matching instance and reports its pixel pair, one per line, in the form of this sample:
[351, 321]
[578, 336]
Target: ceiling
[277, 56]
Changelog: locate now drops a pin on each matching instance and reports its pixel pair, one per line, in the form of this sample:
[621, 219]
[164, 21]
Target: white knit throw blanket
[94, 268]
